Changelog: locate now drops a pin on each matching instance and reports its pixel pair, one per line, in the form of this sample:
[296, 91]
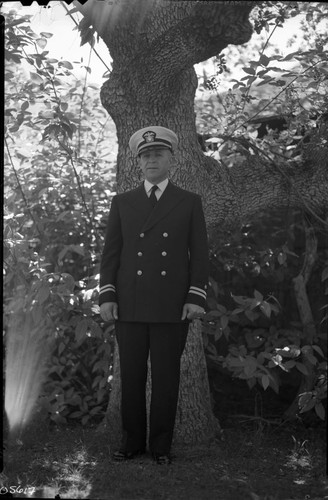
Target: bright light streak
[27, 351]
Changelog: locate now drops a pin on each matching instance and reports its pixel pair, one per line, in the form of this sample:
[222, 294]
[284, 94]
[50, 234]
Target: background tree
[154, 46]
[52, 244]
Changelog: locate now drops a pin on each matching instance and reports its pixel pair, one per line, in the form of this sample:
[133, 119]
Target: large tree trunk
[154, 46]
[195, 422]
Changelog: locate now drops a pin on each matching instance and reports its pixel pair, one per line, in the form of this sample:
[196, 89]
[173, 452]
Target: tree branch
[20, 187]
[173, 35]
[280, 168]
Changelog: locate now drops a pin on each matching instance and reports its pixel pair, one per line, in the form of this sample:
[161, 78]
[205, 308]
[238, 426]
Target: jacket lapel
[140, 202]
[167, 202]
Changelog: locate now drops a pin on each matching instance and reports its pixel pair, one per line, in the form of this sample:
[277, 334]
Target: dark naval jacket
[155, 259]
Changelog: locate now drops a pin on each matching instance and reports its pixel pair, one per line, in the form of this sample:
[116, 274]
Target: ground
[252, 462]
[257, 459]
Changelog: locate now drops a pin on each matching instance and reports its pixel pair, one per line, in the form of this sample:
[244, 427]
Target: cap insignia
[149, 136]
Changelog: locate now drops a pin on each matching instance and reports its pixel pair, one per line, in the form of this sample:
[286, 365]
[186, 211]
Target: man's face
[155, 164]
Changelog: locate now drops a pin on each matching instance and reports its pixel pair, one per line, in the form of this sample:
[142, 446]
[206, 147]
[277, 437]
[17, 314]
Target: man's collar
[161, 185]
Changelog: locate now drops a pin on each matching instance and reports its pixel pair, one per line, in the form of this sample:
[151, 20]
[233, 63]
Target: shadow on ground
[255, 460]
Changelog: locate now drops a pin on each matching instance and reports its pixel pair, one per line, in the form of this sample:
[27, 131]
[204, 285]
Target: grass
[255, 461]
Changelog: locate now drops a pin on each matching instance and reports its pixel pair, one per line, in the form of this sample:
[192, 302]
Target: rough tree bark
[304, 308]
[154, 45]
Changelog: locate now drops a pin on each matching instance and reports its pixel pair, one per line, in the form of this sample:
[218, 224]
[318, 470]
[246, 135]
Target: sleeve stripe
[197, 289]
[107, 288]
[198, 292]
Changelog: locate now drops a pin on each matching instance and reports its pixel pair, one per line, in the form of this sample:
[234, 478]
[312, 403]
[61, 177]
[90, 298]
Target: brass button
[163, 273]
[139, 254]
[164, 254]
[165, 235]
[142, 235]
[139, 273]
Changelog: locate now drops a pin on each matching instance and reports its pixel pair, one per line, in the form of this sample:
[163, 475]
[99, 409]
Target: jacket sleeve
[199, 256]
[110, 260]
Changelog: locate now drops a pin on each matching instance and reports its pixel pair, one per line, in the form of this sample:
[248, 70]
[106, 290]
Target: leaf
[66, 64]
[266, 308]
[251, 315]
[289, 364]
[95, 410]
[320, 410]
[76, 414]
[290, 56]
[56, 417]
[81, 330]
[61, 348]
[85, 419]
[313, 360]
[217, 334]
[13, 56]
[63, 106]
[42, 42]
[36, 78]
[250, 366]
[44, 34]
[14, 128]
[48, 114]
[324, 274]
[224, 321]
[265, 80]
[237, 311]
[249, 71]
[254, 339]
[258, 295]
[77, 249]
[264, 60]
[265, 381]
[239, 299]
[318, 349]
[302, 368]
[282, 257]
[25, 105]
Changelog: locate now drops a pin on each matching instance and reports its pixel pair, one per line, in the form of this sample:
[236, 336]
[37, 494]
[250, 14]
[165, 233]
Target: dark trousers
[165, 343]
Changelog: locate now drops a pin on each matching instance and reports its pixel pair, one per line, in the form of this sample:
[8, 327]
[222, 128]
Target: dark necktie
[152, 197]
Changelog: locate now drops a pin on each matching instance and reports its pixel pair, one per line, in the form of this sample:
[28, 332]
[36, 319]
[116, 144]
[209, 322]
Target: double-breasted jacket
[154, 259]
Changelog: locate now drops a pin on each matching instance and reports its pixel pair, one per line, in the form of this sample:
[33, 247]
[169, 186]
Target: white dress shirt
[161, 188]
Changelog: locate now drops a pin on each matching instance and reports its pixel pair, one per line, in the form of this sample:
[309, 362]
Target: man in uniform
[153, 280]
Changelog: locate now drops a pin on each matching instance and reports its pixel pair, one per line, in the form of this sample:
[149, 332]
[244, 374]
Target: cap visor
[153, 146]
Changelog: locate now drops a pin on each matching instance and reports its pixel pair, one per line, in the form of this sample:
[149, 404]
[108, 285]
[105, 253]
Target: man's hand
[109, 311]
[192, 311]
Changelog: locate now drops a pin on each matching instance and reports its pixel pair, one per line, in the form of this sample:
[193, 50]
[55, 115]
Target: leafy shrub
[58, 185]
[252, 303]
[263, 336]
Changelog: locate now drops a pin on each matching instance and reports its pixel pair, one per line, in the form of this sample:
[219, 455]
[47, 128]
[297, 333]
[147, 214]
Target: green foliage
[260, 335]
[253, 335]
[58, 186]
[315, 398]
[293, 86]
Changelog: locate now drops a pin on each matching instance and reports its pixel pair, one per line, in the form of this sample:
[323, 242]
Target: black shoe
[162, 459]
[122, 456]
